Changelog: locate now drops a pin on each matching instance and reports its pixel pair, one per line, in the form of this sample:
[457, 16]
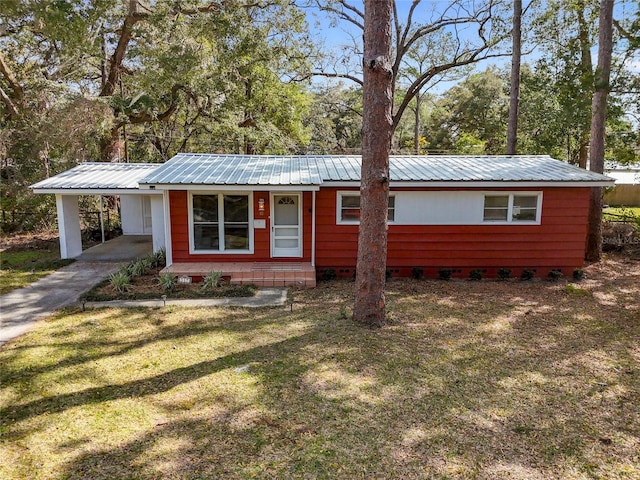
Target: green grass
[19, 268]
[619, 213]
[470, 380]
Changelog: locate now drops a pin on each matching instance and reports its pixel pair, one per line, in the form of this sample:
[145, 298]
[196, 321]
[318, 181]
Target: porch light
[261, 206]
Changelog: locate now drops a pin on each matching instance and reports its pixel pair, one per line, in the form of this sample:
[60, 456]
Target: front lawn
[487, 380]
[26, 259]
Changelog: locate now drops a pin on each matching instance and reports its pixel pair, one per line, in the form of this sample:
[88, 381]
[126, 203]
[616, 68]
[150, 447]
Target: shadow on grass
[534, 384]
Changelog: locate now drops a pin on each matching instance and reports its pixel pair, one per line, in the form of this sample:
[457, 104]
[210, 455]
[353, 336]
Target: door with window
[286, 231]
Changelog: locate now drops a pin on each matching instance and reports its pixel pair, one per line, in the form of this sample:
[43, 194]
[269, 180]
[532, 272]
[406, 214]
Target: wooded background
[139, 81]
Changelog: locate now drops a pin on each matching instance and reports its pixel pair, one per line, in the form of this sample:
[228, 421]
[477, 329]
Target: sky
[335, 36]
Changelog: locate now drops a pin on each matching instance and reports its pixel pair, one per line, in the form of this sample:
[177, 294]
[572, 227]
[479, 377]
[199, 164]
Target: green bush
[578, 274]
[140, 267]
[167, 281]
[211, 280]
[417, 273]
[120, 281]
[527, 274]
[445, 273]
[504, 273]
[554, 274]
[328, 274]
[159, 258]
[475, 274]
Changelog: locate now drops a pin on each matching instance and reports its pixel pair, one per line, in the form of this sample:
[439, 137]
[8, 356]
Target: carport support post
[69, 226]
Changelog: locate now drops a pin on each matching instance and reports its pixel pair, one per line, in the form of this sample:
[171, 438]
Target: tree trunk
[514, 88]
[110, 146]
[598, 122]
[377, 130]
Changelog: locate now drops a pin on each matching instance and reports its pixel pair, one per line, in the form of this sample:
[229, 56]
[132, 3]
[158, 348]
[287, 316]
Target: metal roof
[206, 169]
[211, 169]
[92, 176]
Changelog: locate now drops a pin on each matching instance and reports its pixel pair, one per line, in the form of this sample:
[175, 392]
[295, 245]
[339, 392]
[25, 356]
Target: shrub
[475, 274]
[120, 281]
[578, 274]
[388, 273]
[328, 274]
[527, 274]
[159, 258]
[140, 267]
[445, 273]
[417, 273]
[211, 280]
[167, 281]
[554, 274]
[504, 273]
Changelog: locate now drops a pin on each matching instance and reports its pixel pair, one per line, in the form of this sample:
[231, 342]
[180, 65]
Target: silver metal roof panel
[98, 176]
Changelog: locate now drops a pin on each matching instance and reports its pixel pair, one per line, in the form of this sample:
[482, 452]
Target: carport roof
[97, 177]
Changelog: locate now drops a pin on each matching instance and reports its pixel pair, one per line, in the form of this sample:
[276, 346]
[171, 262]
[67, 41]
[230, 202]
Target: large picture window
[512, 207]
[349, 208]
[220, 223]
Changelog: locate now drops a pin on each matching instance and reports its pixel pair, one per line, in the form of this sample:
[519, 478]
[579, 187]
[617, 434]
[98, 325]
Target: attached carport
[141, 211]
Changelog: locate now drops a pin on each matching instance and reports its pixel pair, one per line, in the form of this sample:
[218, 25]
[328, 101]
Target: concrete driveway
[21, 308]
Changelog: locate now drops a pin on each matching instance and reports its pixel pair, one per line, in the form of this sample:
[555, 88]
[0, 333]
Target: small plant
[139, 267]
[328, 274]
[417, 273]
[554, 275]
[504, 273]
[388, 273]
[120, 281]
[475, 274]
[167, 281]
[527, 274]
[445, 273]
[211, 280]
[343, 315]
[159, 258]
[578, 274]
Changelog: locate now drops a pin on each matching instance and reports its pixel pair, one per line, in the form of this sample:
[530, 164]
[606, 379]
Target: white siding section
[131, 215]
[439, 208]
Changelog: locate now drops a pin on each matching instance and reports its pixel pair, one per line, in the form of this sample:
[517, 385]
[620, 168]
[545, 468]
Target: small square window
[496, 208]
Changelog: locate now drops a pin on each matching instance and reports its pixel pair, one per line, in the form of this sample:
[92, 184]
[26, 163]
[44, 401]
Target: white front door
[286, 231]
[146, 215]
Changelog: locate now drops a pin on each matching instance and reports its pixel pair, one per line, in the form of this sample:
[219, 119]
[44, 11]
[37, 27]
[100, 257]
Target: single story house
[290, 219]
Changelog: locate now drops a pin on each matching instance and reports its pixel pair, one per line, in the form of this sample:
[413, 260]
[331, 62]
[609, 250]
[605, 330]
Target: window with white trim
[220, 222]
[348, 208]
[512, 207]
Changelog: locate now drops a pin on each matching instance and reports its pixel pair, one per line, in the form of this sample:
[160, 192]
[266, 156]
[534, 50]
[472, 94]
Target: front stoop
[262, 274]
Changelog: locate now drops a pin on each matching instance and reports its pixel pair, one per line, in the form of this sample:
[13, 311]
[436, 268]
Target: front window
[511, 208]
[220, 222]
[349, 208]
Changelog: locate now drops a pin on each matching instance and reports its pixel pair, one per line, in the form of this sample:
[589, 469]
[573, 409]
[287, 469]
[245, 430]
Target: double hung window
[220, 223]
[512, 207]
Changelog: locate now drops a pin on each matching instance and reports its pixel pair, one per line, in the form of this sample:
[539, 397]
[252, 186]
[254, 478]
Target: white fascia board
[478, 184]
[95, 191]
[233, 188]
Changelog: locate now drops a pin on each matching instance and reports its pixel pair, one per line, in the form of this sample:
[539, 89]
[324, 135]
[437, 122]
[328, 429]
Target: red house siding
[557, 243]
[179, 219]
